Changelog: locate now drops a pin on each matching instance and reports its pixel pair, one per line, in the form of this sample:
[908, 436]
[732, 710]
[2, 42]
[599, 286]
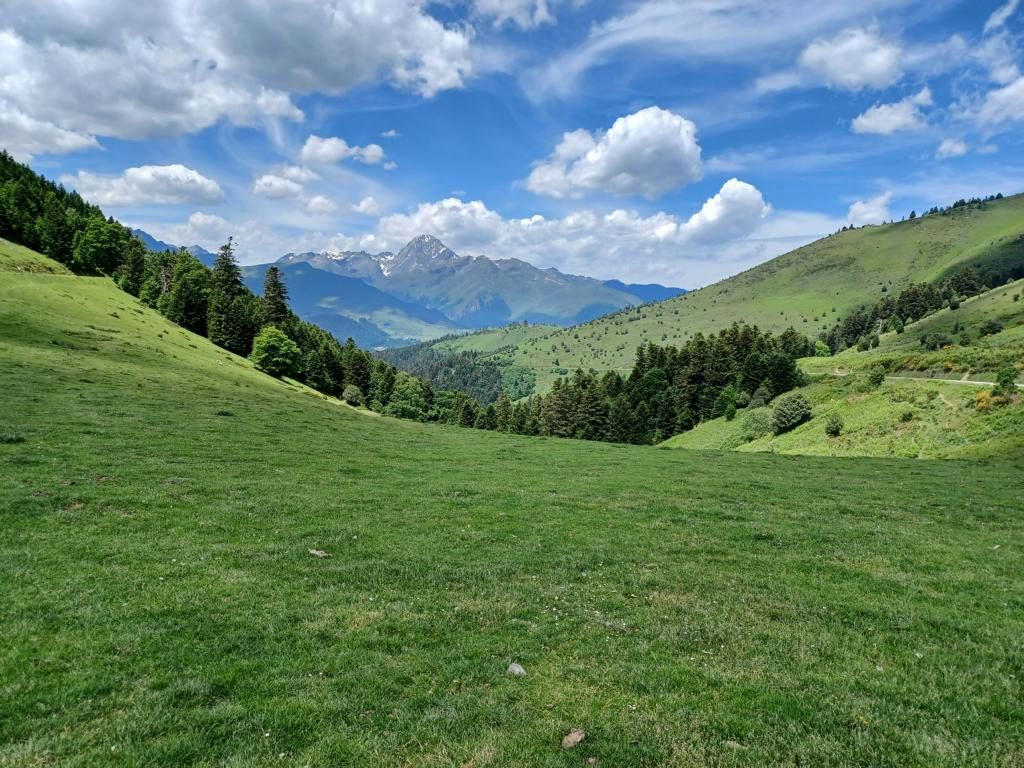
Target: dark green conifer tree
[275, 298]
[133, 270]
[229, 325]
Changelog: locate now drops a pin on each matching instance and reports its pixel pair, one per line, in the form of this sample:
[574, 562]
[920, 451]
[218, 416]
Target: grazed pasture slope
[159, 605]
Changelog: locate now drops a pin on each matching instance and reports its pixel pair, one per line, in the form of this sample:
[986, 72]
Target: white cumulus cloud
[734, 212]
[24, 136]
[135, 70]
[875, 210]
[147, 184]
[276, 187]
[647, 153]
[904, 115]
[856, 58]
[368, 206]
[319, 204]
[318, 149]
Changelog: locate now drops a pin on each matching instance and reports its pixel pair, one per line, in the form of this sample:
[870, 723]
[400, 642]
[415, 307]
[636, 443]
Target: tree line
[669, 390]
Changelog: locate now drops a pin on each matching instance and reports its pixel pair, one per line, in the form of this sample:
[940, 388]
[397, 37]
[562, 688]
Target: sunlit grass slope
[808, 288]
[980, 358]
[159, 605]
[913, 419]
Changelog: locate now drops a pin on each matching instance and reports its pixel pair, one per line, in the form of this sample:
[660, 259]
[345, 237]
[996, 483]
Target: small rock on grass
[318, 553]
[573, 737]
[516, 670]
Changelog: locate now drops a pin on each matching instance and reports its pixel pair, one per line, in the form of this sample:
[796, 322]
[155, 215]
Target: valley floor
[159, 604]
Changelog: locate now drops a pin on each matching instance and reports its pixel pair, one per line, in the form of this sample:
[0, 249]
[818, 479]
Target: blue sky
[651, 140]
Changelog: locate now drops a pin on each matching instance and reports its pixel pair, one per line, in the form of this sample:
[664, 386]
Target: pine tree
[275, 298]
[621, 423]
[503, 413]
[132, 271]
[187, 302]
[228, 325]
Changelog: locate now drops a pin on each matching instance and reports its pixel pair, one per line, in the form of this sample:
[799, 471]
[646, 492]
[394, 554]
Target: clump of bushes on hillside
[352, 395]
[791, 411]
[936, 341]
[834, 425]
[876, 376]
[990, 327]
[757, 422]
[1006, 382]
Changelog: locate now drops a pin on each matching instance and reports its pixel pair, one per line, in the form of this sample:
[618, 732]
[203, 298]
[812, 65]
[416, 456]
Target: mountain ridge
[478, 291]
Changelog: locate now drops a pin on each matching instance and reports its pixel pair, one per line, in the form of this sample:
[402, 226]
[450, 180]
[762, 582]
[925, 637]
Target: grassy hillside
[978, 359]
[906, 418]
[16, 258]
[159, 604]
[497, 338]
[809, 288]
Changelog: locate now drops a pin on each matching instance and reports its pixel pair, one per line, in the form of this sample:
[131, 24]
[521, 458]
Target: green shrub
[876, 376]
[791, 411]
[821, 349]
[757, 422]
[834, 425]
[274, 353]
[907, 416]
[936, 341]
[954, 302]
[10, 438]
[990, 327]
[1006, 381]
[352, 395]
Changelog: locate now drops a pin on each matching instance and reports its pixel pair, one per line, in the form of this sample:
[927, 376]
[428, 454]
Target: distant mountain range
[427, 290]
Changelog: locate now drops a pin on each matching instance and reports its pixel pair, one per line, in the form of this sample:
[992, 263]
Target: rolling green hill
[936, 388]
[205, 566]
[809, 288]
[908, 418]
[969, 354]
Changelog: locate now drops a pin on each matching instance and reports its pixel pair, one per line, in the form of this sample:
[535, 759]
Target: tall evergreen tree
[503, 413]
[275, 298]
[133, 270]
[228, 324]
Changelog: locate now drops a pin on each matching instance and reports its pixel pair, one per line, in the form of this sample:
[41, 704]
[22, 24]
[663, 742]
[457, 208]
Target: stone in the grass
[516, 670]
[573, 737]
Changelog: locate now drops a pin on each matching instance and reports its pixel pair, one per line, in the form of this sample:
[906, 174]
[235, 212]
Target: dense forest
[482, 377]
[670, 390]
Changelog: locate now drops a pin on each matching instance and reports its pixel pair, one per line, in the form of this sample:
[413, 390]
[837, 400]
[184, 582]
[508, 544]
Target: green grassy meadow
[808, 289]
[905, 418]
[159, 604]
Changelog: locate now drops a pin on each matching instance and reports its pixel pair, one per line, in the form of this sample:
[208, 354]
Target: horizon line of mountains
[426, 290]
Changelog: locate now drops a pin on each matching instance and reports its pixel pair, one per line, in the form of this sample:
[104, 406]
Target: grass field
[492, 340]
[809, 289]
[908, 418]
[159, 605]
